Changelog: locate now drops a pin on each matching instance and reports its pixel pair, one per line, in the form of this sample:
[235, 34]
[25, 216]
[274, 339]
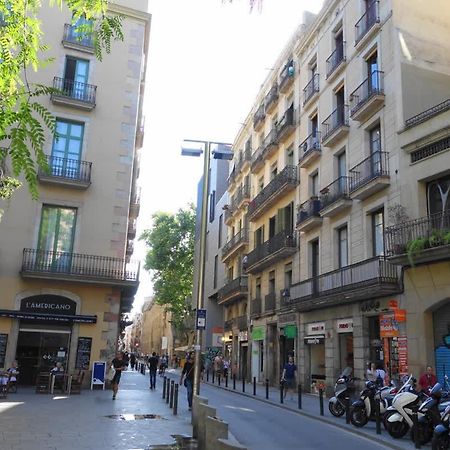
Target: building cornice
[129, 12]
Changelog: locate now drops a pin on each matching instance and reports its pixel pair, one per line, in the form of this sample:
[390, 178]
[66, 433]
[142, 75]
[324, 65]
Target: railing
[80, 265]
[312, 142]
[427, 114]
[270, 302]
[228, 325]
[256, 307]
[258, 156]
[237, 285]
[286, 121]
[376, 165]
[232, 176]
[74, 90]
[270, 139]
[428, 232]
[242, 193]
[309, 209]
[246, 155]
[338, 118]
[274, 244]
[241, 322]
[72, 35]
[335, 58]
[367, 21]
[287, 176]
[259, 115]
[272, 96]
[65, 168]
[287, 73]
[374, 271]
[311, 88]
[338, 189]
[370, 87]
[240, 237]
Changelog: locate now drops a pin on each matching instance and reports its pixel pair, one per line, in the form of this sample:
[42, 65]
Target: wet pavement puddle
[130, 417]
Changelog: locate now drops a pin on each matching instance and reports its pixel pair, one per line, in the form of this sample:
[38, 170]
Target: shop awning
[44, 316]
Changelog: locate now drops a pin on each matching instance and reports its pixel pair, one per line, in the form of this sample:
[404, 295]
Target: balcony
[232, 177]
[375, 277]
[277, 248]
[239, 240]
[286, 125]
[271, 99]
[258, 159]
[72, 93]
[420, 241]
[77, 40]
[336, 62]
[233, 290]
[311, 89]
[270, 302]
[258, 119]
[228, 215]
[286, 79]
[308, 216]
[242, 161]
[368, 97]
[270, 143]
[370, 176]
[80, 268]
[286, 181]
[367, 25]
[241, 322]
[242, 196]
[66, 172]
[255, 307]
[130, 248]
[335, 197]
[309, 150]
[131, 233]
[135, 204]
[335, 127]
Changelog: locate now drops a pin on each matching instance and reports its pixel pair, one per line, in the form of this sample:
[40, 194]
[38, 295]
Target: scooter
[441, 436]
[343, 385]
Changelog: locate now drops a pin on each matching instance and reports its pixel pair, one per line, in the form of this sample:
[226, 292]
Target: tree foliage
[23, 119]
[170, 257]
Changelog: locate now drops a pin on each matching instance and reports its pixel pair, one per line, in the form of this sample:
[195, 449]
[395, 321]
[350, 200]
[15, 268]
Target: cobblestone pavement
[31, 421]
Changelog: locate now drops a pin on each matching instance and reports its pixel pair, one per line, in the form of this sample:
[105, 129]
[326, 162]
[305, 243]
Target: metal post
[213, 375]
[281, 392]
[226, 380]
[234, 381]
[347, 409]
[164, 388]
[321, 401]
[218, 379]
[168, 391]
[52, 383]
[175, 401]
[202, 260]
[415, 428]
[254, 385]
[377, 417]
[267, 389]
[207, 376]
[243, 384]
[172, 388]
[299, 393]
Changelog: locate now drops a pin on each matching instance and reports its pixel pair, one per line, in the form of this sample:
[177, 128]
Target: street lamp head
[191, 151]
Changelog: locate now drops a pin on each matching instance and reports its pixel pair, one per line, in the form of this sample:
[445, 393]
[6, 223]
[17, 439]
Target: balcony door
[375, 151]
[340, 112]
[341, 161]
[315, 266]
[438, 196]
[56, 235]
[66, 150]
[76, 78]
[372, 74]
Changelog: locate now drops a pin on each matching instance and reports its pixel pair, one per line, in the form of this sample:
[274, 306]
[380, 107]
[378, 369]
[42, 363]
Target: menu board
[3, 343]
[83, 353]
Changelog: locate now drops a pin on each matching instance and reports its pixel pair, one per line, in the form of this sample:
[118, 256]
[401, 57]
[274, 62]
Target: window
[272, 226]
[342, 247]
[258, 288]
[290, 156]
[339, 97]
[375, 150]
[315, 184]
[216, 264]
[219, 237]
[259, 236]
[248, 145]
[76, 75]
[66, 149]
[339, 44]
[438, 195]
[212, 205]
[273, 171]
[272, 282]
[260, 184]
[288, 276]
[377, 233]
[341, 163]
[372, 73]
[230, 274]
[314, 125]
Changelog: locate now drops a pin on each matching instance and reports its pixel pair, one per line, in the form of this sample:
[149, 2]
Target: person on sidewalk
[188, 375]
[427, 380]
[289, 376]
[152, 368]
[119, 365]
[133, 361]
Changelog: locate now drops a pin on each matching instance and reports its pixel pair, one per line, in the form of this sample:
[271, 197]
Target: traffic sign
[201, 319]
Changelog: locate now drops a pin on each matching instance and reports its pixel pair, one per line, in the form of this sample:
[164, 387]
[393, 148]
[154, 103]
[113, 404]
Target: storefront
[243, 355]
[288, 333]
[258, 337]
[314, 340]
[344, 330]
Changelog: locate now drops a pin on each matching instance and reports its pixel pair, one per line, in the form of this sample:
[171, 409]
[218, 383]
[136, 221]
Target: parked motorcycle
[441, 436]
[343, 385]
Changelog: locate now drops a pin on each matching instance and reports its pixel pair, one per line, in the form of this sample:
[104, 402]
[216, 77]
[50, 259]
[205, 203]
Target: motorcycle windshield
[436, 389]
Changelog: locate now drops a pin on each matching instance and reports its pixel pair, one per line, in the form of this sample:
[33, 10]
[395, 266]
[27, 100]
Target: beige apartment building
[331, 138]
[65, 267]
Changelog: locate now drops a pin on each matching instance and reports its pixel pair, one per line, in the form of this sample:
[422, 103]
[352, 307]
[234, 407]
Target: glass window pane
[378, 237]
[76, 130]
[61, 127]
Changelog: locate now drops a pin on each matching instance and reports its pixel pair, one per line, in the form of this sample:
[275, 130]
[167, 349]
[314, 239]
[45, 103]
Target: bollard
[299, 393]
[164, 388]
[226, 380]
[213, 374]
[267, 389]
[347, 410]
[175, 401]
[218, 379]
[168, 391]
[254, 385]
[281, 392]
[415, 428]
[321, 401]
[377, 417]
[207, 376]
[172, 388]
[243, 384]
[234, 381]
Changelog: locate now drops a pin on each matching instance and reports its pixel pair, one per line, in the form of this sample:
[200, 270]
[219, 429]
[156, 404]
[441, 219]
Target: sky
[207, 61]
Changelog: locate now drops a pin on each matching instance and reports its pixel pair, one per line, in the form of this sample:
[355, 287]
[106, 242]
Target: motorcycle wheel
[397, 429]
[359, 416]
[440, 442]
[336, 409]
[386, 416]
[425, 431]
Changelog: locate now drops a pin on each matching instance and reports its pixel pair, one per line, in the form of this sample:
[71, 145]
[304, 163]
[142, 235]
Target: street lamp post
[218, 154]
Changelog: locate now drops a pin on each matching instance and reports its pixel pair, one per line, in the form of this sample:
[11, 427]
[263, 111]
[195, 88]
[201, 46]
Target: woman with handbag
[188, 375]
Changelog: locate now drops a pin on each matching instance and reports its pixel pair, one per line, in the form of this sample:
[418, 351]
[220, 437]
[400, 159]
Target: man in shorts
[289, 376]
[119, 365]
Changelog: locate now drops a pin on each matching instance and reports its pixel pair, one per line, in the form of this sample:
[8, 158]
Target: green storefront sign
[290, 331]
[258, 333]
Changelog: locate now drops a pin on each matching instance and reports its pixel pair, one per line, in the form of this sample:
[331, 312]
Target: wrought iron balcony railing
[311, 143]
[367, 21]
[73, 170]
[242, 194]
[337, 119]
[270, 140]
[260, 115]
[246, 156]
[241, 322]
[285, 122]
[270, 302]
[76, 37]
[311, 88]
[335, 59]
[74, 90]
[256, 307]
[79, 266]
[233, 288]
[370, 87]
[287, 75]
[337, 190]
[258, 157]
[286, 178]
[308, 209]
[241, 237]
[374, 166]
[271, 98]
[427, 114]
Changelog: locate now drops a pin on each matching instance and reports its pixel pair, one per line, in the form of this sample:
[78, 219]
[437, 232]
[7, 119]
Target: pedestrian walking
[132, 361]
[188, 375]
[226, 367]
[153, 367]
[119, 365]
[289, 376]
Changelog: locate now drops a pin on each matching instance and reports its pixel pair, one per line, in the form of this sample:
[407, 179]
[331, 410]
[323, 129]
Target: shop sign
[393, 304]
[243, 336]
[315, 328]
[388, 326]
[402, 343]
[344, 326]
[369, 306]
[287, 318]
[258, 333]
[290, 331]
[400, 315]
[314, 340]
[98, 374]
[54, 304]
[217, 339]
